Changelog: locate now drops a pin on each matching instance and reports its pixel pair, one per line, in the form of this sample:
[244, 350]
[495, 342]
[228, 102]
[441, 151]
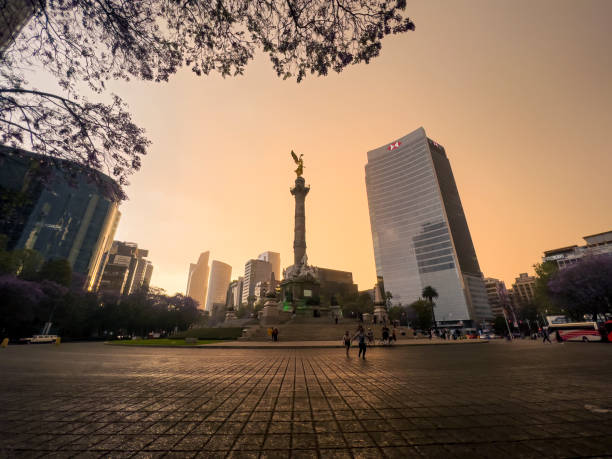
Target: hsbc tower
[420, 233]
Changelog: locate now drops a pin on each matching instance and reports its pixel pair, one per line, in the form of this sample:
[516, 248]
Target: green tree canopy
[57, 270]
[423, 312]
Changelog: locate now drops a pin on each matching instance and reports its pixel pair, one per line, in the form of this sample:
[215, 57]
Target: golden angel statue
[300, 162]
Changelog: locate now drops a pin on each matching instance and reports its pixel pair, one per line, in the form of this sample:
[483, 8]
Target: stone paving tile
[90, 400]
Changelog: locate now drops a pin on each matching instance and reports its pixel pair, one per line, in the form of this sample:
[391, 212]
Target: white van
[39, 339]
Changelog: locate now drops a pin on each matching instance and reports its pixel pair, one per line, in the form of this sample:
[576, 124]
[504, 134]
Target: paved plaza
[492, 400]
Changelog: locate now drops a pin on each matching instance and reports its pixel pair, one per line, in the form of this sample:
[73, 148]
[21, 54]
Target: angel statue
[300, 162]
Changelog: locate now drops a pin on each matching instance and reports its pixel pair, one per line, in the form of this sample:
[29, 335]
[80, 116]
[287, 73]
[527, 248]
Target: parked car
[485, 334]
[40, 339]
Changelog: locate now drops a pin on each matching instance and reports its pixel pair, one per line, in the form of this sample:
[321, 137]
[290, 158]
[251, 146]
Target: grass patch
[211, 333]
[161, 342]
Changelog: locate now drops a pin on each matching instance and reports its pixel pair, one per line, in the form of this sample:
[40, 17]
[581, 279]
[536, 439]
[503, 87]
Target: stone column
[299, 241]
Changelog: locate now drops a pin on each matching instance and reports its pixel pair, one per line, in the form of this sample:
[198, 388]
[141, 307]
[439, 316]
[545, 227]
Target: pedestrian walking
[361, 336]
[347, 342]
[370, 336]
[545, 336]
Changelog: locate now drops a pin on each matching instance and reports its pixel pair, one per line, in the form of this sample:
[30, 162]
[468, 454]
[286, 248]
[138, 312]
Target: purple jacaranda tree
[584, 288]
[83, 45]
[19, 304]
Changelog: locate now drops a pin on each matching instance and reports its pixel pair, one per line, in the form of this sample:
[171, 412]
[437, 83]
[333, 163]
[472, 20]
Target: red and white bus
[575, 331]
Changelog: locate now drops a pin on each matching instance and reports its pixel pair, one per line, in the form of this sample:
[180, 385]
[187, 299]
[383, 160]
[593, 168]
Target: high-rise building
[596, 244]
[192, 267]
[75, 220]
[274, 259]
[126, 269]
[497, 294]
[197, 284]
[524, 289]
[14, 14]
[220, 276]
[419, 230]
[254, 271]
[143, 271]
[234, 293]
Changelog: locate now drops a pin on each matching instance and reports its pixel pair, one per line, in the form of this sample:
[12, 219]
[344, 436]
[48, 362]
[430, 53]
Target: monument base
[380, 312]
[299, 294]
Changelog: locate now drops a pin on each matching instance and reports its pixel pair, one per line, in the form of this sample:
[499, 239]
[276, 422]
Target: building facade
[234, 293]
[497, 295]
[73, 220]
[595, 244]
[419, 230]
[254, 271]
[126, 269]
[523, 289]
[220, 276]
[274, 259]
[197, 282]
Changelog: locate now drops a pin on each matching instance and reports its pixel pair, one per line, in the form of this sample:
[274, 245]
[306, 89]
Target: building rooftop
[569, 248]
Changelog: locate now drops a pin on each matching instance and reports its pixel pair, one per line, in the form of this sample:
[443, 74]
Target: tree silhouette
[86, 43]
[429, 293]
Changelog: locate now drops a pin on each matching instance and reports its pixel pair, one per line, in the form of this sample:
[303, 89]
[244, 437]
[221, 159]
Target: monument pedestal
[380, 312]
[270, 314]
[230, 315]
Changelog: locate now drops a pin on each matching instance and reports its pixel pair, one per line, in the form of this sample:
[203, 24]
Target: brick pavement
[502, 400]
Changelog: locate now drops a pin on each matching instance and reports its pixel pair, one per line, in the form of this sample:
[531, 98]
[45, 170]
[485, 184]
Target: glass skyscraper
[420, 233]
[75, 220]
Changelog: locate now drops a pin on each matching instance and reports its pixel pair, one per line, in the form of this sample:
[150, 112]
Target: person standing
[347, 342]
[361, 336]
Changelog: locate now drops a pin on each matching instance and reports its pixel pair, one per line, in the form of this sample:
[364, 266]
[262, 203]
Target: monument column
[299, 241]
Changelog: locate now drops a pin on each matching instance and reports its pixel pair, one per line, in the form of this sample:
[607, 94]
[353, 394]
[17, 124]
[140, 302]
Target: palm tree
[430, 293]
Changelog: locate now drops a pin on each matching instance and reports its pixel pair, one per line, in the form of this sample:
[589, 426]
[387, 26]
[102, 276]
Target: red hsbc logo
[393, 146]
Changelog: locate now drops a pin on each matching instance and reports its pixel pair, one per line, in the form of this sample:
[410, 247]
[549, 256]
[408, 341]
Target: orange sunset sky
[518, 92]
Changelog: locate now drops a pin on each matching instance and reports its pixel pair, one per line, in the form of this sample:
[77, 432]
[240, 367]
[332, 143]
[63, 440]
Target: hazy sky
[518, 92]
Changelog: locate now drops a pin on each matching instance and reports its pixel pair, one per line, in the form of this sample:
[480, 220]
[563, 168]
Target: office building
[595, 244]
[254, 271]
[192, 267]
[126, 270]
[420, 232]
[274, 259]
[234, 293]
[524, 289]
[74, 220]
[497, 295]
[197, 283]
[220, 276]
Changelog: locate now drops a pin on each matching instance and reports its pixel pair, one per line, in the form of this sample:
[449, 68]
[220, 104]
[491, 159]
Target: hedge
[211, 333]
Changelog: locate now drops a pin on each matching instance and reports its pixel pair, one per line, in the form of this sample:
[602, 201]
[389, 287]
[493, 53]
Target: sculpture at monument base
[380, 302]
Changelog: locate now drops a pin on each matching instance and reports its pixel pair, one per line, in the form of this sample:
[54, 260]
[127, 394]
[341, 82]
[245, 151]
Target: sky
[519, 94]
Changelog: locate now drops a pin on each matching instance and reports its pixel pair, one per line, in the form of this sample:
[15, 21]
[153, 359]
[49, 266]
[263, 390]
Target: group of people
[364, 338]
[273, 332]
[444, 333]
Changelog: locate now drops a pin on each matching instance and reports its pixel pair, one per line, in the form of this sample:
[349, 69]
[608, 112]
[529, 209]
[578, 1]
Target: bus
[606, 331]
[575, 331]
